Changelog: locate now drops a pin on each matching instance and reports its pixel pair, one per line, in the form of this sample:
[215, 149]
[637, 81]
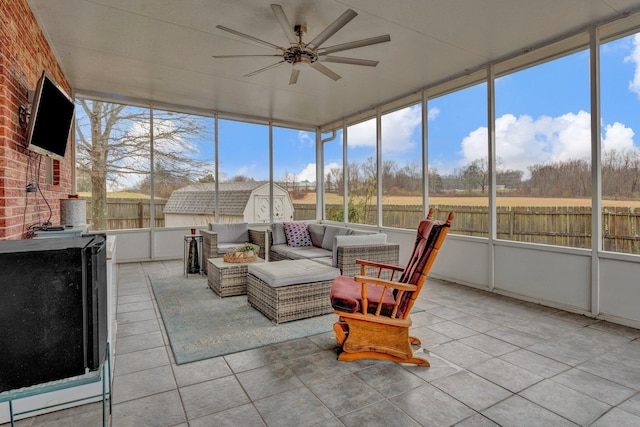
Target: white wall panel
[620, 291]
[545, 275]
[168, 243]
[463, 260]
[133, 245]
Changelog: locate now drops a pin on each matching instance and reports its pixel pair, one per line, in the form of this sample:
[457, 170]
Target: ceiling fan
[303, 55]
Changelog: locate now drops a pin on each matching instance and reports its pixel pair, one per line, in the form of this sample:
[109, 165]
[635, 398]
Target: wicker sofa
[334, 246]
[331, 245]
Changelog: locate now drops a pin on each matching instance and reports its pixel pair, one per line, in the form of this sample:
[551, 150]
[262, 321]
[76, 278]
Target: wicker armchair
[220, 238]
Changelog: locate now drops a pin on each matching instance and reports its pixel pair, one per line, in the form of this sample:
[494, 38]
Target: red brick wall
[24, 54]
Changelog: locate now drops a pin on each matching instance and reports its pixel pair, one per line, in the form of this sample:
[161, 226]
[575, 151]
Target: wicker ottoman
[227, 278]
[290, 290]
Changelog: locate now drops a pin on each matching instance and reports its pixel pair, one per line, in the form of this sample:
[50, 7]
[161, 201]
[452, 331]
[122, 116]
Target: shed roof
[200, 199]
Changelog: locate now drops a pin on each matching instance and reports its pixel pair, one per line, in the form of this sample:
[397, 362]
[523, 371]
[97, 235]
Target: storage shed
[238, 202]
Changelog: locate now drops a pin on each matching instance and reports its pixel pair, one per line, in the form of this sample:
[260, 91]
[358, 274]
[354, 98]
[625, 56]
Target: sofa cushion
[327, 260]
[316, 231]
[277, 234]
[332, 231]
[297, 234]
[356, 240]
[306, 252]
[231, 233]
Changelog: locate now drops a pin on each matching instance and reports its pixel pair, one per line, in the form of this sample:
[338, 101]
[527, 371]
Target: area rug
[201, 325]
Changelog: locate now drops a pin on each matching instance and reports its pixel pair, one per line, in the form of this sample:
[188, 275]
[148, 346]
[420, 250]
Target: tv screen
[51, 116]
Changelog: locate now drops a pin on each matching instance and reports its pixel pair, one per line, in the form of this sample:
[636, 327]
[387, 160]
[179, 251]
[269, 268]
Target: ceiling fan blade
[294, 76]
[352, 61]
[263, 69]
[247, 36]
[333, 28]
[355, 44]
[284, 23]
[243, 56]
[324, 70]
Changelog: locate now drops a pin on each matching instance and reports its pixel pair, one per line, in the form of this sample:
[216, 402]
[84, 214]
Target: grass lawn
[332, 199]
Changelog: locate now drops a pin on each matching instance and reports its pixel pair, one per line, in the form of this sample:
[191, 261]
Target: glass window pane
[183, 157]
[543, 153]
[333, 178]
[243, 167]
[362, 181]
[458, 151]
[620, 121]
[112, 161]
[402, 168]
[294, 170]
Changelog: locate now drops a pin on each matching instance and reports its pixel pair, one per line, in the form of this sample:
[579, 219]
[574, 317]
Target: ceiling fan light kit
[302, 63]
[302, 55]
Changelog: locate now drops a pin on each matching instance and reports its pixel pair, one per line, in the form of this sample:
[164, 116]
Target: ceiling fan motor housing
[300, 54]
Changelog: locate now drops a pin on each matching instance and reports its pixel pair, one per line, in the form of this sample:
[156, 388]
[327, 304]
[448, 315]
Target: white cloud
[522, 141]
[634, 85]
[397, 131]
[617, 137]
[398, 128]
[363, 134]
[306, 139]
[433, 113]
[308, 173]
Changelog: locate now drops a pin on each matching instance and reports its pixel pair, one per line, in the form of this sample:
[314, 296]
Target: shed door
[261, 208]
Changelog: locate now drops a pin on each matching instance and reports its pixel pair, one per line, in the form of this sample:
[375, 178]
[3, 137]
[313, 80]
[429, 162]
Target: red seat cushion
[346, 295]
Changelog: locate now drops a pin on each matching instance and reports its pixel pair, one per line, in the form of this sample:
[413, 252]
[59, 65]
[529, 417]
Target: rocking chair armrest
[387, 283]
[379, 265]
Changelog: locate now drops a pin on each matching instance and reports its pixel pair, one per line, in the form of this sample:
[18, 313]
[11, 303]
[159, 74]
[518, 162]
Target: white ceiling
[161, 50]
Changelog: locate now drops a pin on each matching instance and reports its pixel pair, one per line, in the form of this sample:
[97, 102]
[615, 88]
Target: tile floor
[494, 361]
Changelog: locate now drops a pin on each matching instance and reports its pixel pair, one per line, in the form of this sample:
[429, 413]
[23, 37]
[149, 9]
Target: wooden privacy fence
[130, 213]
[553, 225]
[561, 226]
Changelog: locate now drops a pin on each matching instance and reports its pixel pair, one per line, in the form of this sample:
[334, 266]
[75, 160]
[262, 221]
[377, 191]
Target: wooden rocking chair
[373, 313]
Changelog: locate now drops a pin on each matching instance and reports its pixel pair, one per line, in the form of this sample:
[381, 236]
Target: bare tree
[335, 175]
[620, 173]
[476, 174]
[114, 149]
[436, 186]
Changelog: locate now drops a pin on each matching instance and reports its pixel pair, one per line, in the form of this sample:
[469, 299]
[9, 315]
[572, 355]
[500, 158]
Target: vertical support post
[345, 174]
[378, 167]
[216, 168]
[596, 169]
[319, 176]
[152, 190]
[425, 155]
[491, 156]
[270, 172]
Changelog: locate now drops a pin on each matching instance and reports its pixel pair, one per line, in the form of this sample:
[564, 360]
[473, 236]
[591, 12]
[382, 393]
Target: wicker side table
[228, 278]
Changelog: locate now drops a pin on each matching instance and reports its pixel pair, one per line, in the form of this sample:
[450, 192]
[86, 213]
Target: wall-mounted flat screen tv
[51, 117]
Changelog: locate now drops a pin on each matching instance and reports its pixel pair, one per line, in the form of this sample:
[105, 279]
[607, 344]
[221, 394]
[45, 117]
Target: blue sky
[542, 115]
